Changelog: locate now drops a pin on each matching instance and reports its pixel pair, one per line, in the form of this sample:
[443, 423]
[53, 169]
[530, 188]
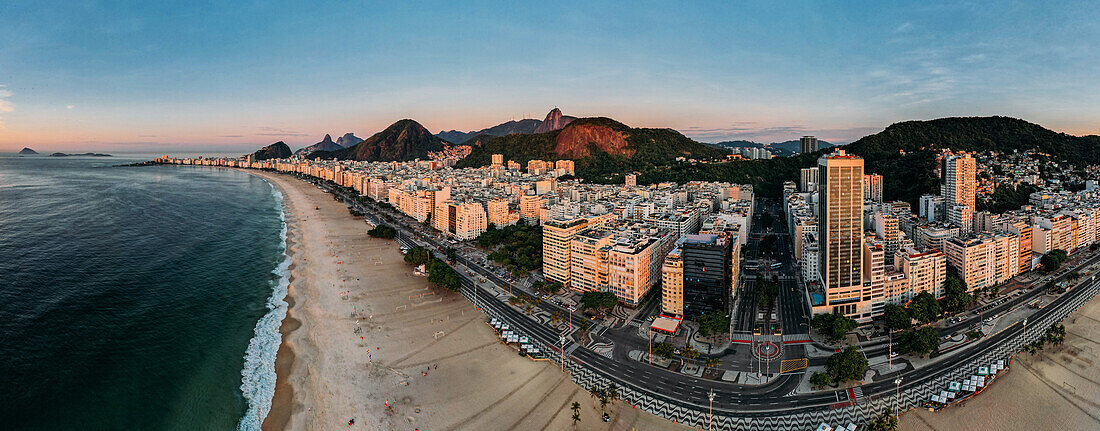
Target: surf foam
[258, 374]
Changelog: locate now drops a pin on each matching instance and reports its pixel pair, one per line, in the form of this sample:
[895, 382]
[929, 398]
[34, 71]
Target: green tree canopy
[848, 364]
[924, 308]
[919, 341]
[714, 322]
[896, 317]
[417, 255]
[833, 326]
[596, 301]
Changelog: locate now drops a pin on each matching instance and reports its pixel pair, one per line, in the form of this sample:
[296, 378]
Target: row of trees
[1055, 335]
[438, 271]
[766, 291]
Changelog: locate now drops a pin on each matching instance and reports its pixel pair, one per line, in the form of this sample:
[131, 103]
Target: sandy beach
[423, 358]
[1058, 388]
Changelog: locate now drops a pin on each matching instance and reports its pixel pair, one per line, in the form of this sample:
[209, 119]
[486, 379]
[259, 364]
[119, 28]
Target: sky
[167, 77]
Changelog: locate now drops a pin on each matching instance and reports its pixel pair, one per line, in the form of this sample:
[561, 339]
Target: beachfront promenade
[736, 406]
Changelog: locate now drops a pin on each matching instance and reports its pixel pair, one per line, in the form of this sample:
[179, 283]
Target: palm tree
[613, 392]
[885, 421]
[576, 407]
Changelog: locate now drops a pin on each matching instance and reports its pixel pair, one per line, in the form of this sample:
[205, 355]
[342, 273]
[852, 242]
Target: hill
[785, 148]
[554, 120]
[599, 146]
[904, 153]
[326, 144]
[526, 125]
[278, 150]
[27, 151]
[401, 141]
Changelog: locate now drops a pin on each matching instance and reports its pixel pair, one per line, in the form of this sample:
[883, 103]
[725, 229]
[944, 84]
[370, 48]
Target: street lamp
[710, 413]
[561, 338]
[897, 394]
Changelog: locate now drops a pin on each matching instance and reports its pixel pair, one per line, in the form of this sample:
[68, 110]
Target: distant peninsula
[81, 154]
[27, 151]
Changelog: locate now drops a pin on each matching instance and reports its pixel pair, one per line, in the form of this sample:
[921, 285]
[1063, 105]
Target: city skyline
[108, 77]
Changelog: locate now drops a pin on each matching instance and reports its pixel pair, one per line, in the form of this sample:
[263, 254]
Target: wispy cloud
[70, 106]
[5, 104]
[230, 136]
[904, 28]
[276, 131]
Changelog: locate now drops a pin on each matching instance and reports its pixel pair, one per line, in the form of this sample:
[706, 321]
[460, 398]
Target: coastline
[365, 339]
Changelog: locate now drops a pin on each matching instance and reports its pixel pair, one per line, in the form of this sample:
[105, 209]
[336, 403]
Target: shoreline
[282, 400]
[365, 339]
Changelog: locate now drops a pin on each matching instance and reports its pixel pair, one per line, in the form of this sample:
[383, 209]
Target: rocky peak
[348, 140]
[554, 121]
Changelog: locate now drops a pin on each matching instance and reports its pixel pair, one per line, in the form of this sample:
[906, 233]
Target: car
[606, 417]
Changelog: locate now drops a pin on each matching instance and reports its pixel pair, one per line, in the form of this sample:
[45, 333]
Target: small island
[81, 154]
[27, 151]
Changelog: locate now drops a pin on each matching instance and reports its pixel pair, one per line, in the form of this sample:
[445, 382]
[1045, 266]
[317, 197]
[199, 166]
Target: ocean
[137, 297]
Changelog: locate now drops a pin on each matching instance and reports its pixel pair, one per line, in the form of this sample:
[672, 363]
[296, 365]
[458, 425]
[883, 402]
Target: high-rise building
[557, 238]
[631, 180]
[672, 285]
[708, 282]
[925, 272]
[886, 228]
[807, 179]
[960, 184]
[840, 233]
[808, 144]
[498, 159]
[872, 187]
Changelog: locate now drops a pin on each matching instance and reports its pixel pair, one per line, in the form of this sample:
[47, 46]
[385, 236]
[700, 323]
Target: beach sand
[1059, 388]
[424, 359]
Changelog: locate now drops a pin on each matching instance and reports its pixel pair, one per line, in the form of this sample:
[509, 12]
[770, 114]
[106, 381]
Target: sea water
[137, 297]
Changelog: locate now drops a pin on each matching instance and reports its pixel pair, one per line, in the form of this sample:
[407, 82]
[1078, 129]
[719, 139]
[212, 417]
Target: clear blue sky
[156, 76]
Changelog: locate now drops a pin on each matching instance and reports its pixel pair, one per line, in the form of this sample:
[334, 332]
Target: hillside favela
[808, 216]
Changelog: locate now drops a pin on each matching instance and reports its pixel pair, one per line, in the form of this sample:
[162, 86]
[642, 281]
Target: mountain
[26, 150]
[785, 148]
[278, 150]
[526, 125]
[348, 140]
[553, 121]
[599, 146]
[326, 144]
[401, 141]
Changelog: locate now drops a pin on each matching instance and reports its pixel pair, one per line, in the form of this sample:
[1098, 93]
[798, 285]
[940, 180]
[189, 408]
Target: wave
[258, 374]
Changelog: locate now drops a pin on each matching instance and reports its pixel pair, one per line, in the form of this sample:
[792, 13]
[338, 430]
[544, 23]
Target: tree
[920, 341]
[597, 301]
[766, 291]
[382, 231]
[1053, 260]
[924, 307]
[833, 326]
[767, 244]
[713, 323]
[848, 364]
[896, 317]
[663, 350]
[820, 380]
[452, 254]
[885, 421]
[417, 255]
[955, 298]
[709, 363]
[576, 407]
[690, 352]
